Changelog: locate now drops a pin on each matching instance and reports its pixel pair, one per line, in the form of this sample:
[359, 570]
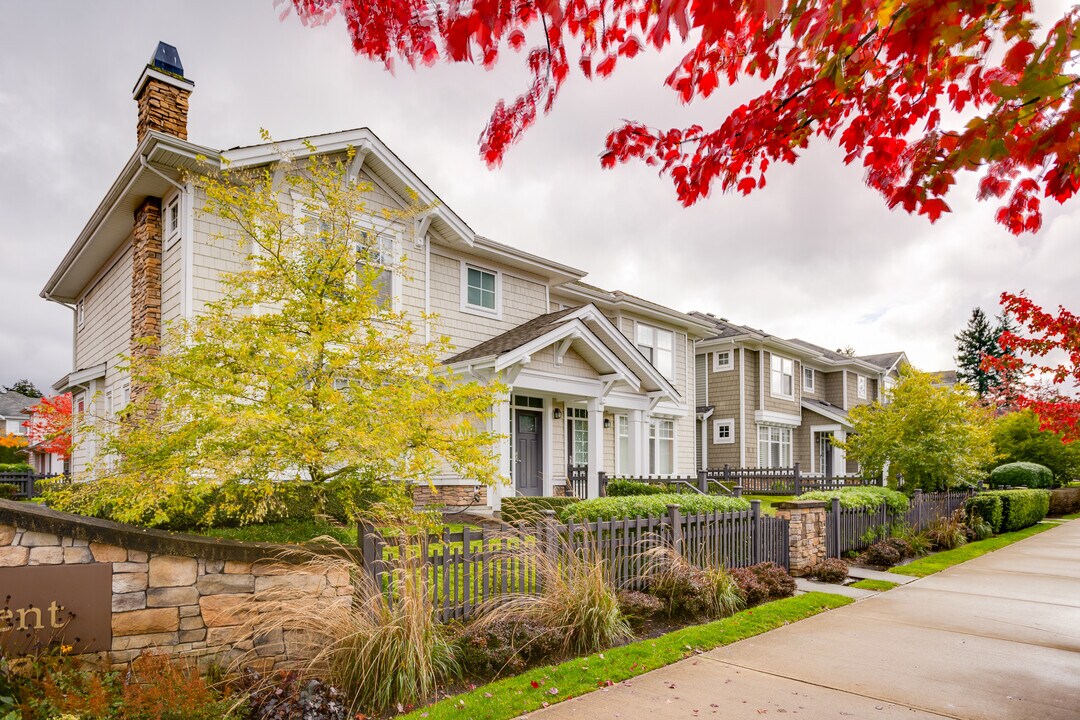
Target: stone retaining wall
[179, 593]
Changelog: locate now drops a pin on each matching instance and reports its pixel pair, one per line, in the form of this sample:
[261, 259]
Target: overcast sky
[815, 255]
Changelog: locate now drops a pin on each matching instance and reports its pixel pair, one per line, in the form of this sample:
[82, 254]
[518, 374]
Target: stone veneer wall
[806, 533]
[449, 495]
[170, 591]
[146, 282]
[162, 107]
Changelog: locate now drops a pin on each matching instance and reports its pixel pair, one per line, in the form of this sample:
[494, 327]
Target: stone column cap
[801, 504]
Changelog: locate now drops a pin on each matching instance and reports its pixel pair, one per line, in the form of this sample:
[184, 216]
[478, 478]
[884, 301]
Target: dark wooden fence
[464, 569]
[24, 483]
[854, 529]
[748, 481]
[577, 477]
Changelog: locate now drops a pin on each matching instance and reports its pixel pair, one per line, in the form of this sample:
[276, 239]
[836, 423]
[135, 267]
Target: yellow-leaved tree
[302, 381]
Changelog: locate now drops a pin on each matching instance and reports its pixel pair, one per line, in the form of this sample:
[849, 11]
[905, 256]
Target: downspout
[427, 290]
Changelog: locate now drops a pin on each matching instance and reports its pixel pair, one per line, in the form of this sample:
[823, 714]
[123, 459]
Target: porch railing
[24, 483]
[577, 477]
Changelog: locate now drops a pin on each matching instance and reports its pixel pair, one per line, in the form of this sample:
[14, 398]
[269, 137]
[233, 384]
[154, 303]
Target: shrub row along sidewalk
[540, 687]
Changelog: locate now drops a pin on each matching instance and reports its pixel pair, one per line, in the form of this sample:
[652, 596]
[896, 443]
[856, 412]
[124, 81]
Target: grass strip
[875, 585]
[940, 561]
[543, 686]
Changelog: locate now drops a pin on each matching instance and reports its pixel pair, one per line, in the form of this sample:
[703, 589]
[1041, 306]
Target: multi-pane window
[480, 289]
[860, 387]
[622, 444]
[378, 250]
[808, 379]
[662, 447]
[724, 431]
[577, 424]
[774, 446]
[782, 370]
[722, 360]
[658, 347]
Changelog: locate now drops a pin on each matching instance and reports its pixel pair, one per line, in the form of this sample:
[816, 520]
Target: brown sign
[68, 605]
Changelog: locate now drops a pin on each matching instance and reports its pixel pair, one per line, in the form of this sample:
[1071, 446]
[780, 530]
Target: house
[770, 402]
[46, 452]
[599, 380]
[14, 412]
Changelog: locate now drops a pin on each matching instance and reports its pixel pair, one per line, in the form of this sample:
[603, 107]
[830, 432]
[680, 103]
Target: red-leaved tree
[915, 90]
[49, 426]
[1045, 349]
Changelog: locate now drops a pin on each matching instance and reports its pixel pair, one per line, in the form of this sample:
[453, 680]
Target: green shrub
[624, 488]
[637, 606]
[1021, 474]
[18, 467]
[607, 508]
[688, 590]
[1023, 508]
[987, 506]
[869, 497]
[7, 491]
[530, 509]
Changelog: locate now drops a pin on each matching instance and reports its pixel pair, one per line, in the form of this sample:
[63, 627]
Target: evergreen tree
[973, 343]
[25, 387]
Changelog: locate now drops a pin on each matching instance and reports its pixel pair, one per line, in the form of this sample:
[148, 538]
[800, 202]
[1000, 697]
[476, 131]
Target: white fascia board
[361, 139]
[591, 312]
[777, 418]
[557, 272]
[640, 306]
[827, 412]
[559, 386]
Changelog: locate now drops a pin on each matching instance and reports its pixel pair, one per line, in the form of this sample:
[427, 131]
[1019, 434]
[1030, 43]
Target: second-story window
[808, 379]
[722, 360]
[782, 371]
[172, 219]
[658, 347]
[860, 386]
[481, 289]
[379, 250]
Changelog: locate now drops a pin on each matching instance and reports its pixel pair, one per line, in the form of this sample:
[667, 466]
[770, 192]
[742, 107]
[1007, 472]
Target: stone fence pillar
[806, 533]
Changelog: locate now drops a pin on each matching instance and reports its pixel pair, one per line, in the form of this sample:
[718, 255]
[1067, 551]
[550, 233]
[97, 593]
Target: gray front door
[825, 454]
[528, 459]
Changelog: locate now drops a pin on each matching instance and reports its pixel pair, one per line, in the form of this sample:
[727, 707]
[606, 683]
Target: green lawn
[769, 501]
[511, 697]
[875, 585]
[939, 561]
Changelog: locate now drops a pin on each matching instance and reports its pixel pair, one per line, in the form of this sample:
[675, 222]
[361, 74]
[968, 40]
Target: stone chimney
[162, 94]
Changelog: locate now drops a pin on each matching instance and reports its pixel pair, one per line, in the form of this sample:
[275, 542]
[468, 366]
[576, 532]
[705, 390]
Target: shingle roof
[513, 338]
[13, 403]
[831, 354]
[882, 360]
[725, 328]
[945, 377]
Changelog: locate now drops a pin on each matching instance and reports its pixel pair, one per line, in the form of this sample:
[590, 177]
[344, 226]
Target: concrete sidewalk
[995, 638]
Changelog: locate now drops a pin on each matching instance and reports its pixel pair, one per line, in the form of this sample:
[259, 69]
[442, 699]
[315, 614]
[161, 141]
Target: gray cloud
[815, 254]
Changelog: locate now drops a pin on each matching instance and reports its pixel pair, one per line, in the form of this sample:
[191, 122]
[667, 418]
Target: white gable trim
[575, 330]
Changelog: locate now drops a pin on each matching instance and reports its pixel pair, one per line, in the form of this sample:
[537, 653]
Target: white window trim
[861, 386]
[812, 385]
[729, 423]
[80, 313]
[619, 419]
[723, 367]
[475, 309]
[773, 357]
[656, 329]
[652, 441]
[790, 444]
[172, 235]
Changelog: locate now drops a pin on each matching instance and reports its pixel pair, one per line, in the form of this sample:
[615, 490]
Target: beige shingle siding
[216, 250]
[752, 378]
[106, 329]
[817, 390]
[853, 389]
[780, 404]
[609, 445]
[723, 395]
[520, 299]
[832, 387]
[572, 364]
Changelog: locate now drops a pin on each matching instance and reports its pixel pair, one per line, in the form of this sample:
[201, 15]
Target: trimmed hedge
[1064, 501]
[988, 507]
[607, 508]
[866, 498]
[627, 488]
[1022, 474]
[1013, 509]
[529, 509]
[19, 467]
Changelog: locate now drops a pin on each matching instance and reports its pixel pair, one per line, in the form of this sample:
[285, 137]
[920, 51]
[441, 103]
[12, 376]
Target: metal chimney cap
[167, 58]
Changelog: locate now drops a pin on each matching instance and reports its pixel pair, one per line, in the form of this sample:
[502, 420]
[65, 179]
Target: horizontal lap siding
[106, 330]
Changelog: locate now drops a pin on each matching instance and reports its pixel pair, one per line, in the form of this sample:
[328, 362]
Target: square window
[480, 289]
[724, 431]
[722, 360]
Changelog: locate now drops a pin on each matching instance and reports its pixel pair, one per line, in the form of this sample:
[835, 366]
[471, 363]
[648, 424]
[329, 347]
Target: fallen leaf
[535, 684]
[553, 691]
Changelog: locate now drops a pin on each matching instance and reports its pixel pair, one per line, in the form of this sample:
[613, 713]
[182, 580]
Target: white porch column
[501, 421]
[596, 445]
[839, 456]
[637, 443]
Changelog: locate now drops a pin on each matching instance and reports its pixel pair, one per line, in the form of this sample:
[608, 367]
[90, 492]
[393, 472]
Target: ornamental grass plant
[688, 589]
